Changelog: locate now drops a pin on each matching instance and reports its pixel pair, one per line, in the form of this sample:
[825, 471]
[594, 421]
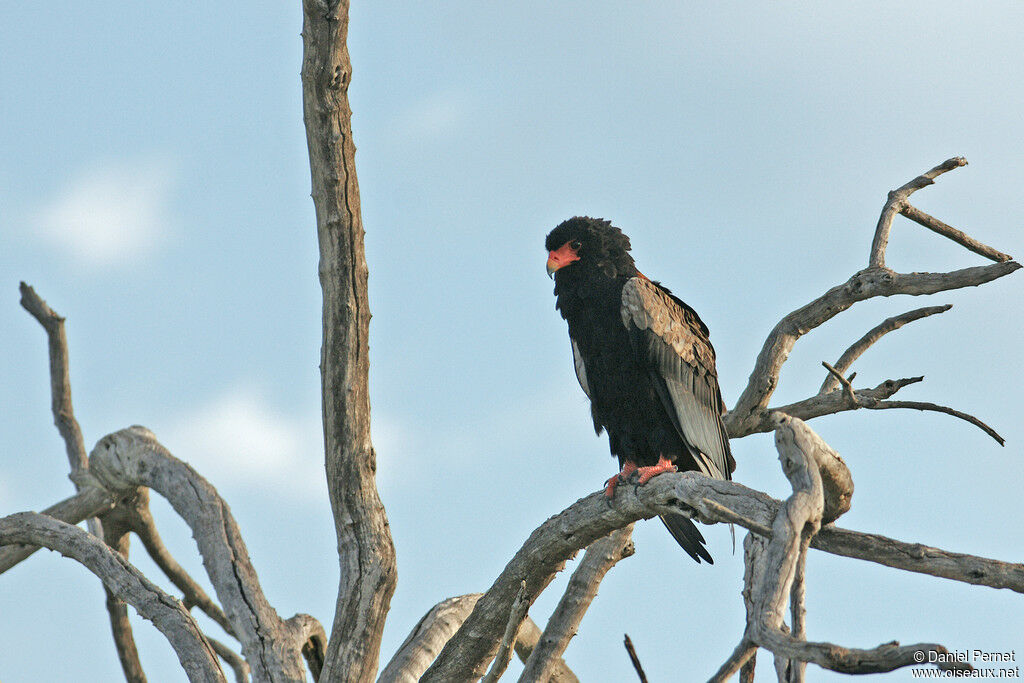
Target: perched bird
[644, 359]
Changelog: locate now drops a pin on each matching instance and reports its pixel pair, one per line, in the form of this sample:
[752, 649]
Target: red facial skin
[561, 257]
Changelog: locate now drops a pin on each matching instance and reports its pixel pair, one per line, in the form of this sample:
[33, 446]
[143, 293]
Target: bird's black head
[585, 246]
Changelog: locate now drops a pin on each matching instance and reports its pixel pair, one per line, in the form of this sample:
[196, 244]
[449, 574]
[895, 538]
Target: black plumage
[645, 360]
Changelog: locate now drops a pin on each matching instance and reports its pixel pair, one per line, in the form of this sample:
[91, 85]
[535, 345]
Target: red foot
[628, 468]
[647, 473]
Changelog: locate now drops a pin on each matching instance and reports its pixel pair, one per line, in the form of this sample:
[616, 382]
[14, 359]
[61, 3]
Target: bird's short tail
[687, 536]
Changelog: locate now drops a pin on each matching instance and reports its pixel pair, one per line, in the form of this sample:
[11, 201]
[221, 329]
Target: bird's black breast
[624, 399]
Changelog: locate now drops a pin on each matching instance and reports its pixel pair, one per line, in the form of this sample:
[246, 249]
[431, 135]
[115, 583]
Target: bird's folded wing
[673, 342]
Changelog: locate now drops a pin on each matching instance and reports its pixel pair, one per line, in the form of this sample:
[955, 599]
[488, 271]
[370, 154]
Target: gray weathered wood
[365, 549]
[600, 557]
[873, 335]
[90, 501]
[133, 457]
[196, 656]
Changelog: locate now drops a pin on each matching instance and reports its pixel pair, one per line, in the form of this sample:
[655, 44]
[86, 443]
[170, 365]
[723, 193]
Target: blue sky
[154, 186]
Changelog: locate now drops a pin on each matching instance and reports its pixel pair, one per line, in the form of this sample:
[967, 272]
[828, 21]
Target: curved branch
[311, 639]
[936, 408]
[599, 558]
[90, 501]
[874, 334]
[133, 457]
[196, 656]
[140, 520]
[467, 653]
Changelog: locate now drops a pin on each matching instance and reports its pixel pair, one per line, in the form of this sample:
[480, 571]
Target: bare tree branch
[311, 639]
[873, 335]
[60, 377]
[564, 623]
[798, 612]
[60, 388]
[92, 500]
[799, 518]
[133, 457]
[819, 405]
[922, 559]
[898, 200]
[515, 618]
[365, 549]
[631, 651]
[435, 628]
[743, 653]
[427, 638]
[196, 656]
[749, 413]
[140, 520]
[934, 407]
[232, 659]
[749, 668]
[961, 238]
[115, 535]
[529, 637]
[752, 405]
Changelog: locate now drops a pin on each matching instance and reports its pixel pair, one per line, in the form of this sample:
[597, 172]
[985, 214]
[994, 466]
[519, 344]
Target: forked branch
[750, 412]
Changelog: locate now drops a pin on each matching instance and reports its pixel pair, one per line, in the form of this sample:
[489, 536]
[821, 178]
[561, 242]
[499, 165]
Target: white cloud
[239, 438]
[433, 116]
[111, 214]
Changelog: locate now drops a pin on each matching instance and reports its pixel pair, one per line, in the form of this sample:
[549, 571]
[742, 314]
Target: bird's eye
[575, 245]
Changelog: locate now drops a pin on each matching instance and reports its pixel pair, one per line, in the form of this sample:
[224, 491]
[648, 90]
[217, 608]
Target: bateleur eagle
[644, 359]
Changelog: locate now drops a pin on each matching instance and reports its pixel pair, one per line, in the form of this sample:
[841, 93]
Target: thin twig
[515, 619]
[934, 407]
[873, 335]
[851, 397]
[631, 651]
[960, 237]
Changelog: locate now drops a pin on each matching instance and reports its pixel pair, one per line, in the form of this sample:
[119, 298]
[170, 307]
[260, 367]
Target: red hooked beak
[560, 258]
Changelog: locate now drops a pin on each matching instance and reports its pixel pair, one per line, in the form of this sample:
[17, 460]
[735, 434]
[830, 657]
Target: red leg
[628, 468]
[646, 473]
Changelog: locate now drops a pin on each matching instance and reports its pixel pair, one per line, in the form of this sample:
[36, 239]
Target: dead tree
[460, 637]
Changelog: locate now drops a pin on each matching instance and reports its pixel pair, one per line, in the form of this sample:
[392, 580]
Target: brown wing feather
[673, 342]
